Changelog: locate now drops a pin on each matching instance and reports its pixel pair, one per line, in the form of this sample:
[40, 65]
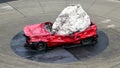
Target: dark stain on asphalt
[3, 1]
[59, 54]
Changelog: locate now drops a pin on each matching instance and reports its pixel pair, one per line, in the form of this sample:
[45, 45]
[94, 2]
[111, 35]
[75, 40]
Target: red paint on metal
[38, 32]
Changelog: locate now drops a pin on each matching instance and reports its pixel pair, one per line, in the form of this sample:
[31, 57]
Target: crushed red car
[40, 37]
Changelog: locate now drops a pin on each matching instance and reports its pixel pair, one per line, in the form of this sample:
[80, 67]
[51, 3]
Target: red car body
[39, 33]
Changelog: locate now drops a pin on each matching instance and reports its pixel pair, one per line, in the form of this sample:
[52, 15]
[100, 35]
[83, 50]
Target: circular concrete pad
[59, 55]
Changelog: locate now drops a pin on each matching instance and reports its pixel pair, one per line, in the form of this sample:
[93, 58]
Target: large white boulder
[71, 19]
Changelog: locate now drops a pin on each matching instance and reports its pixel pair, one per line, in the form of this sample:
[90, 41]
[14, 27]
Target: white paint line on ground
[7, 7]
[106, 21]
[111, 26]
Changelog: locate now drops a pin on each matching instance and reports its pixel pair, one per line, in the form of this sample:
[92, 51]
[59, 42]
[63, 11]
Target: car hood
[36, 30]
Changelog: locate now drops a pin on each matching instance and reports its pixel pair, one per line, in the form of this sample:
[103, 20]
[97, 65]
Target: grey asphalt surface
[15, 14]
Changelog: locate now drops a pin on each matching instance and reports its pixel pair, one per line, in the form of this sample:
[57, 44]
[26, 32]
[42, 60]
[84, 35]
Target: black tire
[86, 41]
[89, 41]
[40, 46]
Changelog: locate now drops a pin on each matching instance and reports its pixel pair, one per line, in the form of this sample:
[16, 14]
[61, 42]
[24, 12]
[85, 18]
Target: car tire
[89, 41]
[40, 46]
[86, 41]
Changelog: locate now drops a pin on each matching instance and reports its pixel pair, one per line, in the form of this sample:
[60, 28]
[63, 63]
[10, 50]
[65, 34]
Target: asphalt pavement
[15, 14]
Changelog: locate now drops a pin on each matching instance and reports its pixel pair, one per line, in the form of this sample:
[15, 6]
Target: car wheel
[85, 42]
[88, 41]
[40, 46]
